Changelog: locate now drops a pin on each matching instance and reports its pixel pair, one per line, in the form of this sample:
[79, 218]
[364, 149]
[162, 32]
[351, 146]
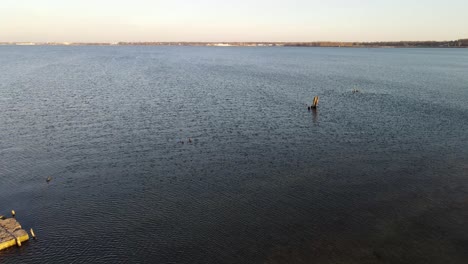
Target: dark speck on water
[377, 178]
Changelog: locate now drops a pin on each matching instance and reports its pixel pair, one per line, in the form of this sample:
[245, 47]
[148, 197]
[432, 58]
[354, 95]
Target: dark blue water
[379, 176]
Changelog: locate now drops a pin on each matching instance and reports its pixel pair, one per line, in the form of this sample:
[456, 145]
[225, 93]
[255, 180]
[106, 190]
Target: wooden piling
[18, 242]
[32, 233]
[315, 102]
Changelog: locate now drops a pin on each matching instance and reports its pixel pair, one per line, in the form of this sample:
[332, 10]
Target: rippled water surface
[379, 176]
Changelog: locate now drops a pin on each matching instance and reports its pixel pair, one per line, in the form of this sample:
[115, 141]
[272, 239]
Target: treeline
[396, 44]
[198, 43]
[461, 43]
[402, 44]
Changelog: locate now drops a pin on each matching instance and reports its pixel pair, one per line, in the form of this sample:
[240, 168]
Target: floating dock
[11, 233]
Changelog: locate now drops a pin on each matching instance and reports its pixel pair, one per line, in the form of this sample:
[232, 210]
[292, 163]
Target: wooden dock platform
[11, 233]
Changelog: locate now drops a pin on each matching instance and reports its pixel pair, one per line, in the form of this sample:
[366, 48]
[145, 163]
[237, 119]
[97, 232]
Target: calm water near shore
[379, 176]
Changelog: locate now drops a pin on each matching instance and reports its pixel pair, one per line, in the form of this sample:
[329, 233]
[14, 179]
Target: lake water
[379, 176]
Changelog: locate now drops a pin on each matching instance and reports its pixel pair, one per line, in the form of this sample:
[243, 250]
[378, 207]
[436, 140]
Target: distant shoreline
[461, 43]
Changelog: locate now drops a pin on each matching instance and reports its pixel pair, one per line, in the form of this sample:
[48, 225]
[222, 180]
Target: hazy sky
[240, 20]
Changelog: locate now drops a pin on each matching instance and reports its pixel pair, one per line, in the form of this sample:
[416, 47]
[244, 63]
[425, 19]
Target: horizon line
[236, 41]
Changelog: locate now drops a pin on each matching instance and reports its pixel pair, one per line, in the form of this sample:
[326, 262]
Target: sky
[239, 20]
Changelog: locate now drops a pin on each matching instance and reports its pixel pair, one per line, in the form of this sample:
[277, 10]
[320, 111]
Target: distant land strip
[461, 43]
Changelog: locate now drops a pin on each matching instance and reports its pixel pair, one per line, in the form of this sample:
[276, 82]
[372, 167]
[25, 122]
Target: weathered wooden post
[315, 102]
[18, 242]
[32, 234]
